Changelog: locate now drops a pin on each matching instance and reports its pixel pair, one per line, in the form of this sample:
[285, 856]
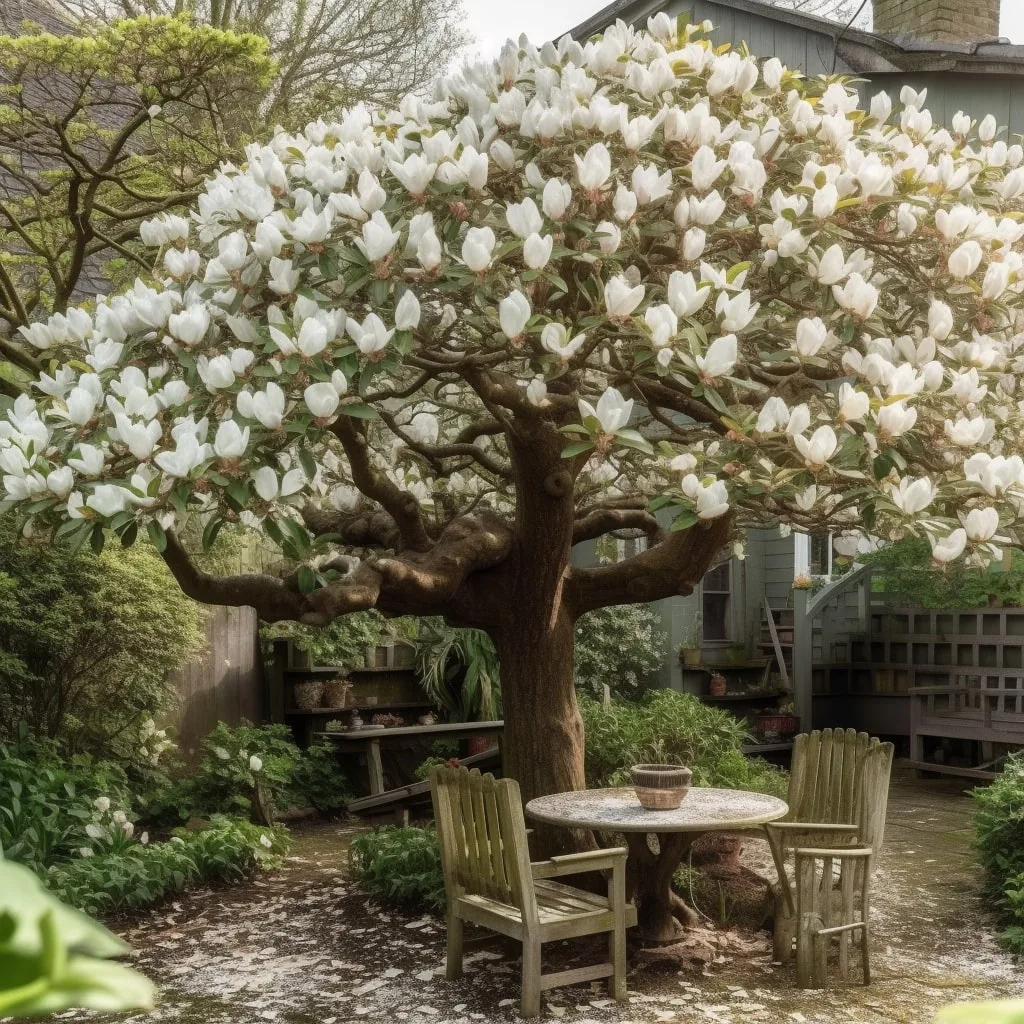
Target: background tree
[89, 643]
[99, 131]
[329, 53]
[402, 348]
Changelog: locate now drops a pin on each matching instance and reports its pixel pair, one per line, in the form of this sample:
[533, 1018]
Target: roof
[14, 14]
[864, 52]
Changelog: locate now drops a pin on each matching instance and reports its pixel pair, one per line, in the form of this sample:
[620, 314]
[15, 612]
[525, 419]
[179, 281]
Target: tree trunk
[543, 742]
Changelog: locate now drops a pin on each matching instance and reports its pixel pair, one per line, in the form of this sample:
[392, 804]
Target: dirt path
[305, 945]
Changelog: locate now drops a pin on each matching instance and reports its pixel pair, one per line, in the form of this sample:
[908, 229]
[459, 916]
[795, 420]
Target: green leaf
[98, 538]
[684, 521]
[129, 535]
[576, 448]
[157, 537]
[210, 531]
[632, 439]
[307, 463]
[359, 410]
[307, 579]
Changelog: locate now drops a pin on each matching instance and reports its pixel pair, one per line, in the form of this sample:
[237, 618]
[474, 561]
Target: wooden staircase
[776, 638]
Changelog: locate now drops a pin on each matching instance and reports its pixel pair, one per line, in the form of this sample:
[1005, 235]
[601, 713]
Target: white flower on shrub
[222, 753]
[255, 763]
[144, 838]
[94, 831]
[266, 841]
[102, 804]
[119, 817]
[85, 851]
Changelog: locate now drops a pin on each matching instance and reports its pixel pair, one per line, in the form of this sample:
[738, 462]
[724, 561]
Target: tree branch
[606, 520]
[675, 566]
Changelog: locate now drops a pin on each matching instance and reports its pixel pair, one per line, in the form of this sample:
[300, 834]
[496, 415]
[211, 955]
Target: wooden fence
[224, 682]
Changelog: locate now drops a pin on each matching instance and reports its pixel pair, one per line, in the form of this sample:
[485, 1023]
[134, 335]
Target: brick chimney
[938, 21]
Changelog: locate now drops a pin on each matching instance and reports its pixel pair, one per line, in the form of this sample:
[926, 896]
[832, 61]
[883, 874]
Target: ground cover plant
[999, 839]
[400, 866]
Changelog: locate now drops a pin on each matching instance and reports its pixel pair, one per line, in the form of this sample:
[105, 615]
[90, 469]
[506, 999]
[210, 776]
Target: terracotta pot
[477, 745]
[308, 694]
[336, 693]
[660, 787]
[778, 724]
[718, 686]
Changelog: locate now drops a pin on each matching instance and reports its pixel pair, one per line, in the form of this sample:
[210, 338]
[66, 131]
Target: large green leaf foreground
[721, 288]
[53, 958]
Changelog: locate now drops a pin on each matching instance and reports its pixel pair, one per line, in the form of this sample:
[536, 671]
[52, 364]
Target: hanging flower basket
[772, 723]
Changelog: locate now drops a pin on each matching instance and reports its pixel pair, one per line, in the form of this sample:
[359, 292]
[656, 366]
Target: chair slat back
[482, 831]
[875, 795]
[825, 778]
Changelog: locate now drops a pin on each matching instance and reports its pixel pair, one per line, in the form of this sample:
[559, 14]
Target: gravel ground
[307, 945]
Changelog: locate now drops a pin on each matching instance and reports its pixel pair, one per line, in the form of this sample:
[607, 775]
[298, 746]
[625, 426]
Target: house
[951, 682]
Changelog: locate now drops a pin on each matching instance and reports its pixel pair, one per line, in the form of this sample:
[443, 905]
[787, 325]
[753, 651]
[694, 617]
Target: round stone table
[661, 913]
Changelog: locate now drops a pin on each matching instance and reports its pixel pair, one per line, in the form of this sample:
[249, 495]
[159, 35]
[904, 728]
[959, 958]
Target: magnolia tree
[639, 284]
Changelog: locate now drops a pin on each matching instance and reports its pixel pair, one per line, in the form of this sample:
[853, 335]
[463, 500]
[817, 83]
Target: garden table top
[619, 810]
[662, 915]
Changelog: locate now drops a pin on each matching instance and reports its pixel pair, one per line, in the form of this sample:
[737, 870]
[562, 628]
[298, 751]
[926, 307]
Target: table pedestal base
[662, 916]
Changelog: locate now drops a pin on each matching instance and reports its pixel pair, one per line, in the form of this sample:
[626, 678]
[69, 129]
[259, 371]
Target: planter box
[397, 655]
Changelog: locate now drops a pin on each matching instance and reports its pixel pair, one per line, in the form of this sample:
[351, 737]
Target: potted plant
[660, 787]
[690, 652]
[777, 723]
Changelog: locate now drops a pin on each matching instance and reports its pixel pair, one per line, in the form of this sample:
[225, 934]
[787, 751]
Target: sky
[494, 21]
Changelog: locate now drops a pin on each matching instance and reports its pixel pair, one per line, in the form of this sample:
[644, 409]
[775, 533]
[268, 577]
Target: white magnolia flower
[524, 218]
[964, 259]
[621, 298]
[612, 412]
[513, 314]
[321, 399]
[477, 249]
[231, 441]
[712, 500]
[981, 524]
[407, 312]
[949, 548]
[555, 339]
[912, 496]
[537, 251]
[536, 391]
[720, 358]
[594, 167]
[818, 449]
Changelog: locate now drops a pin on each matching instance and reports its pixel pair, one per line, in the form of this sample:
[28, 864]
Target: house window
[821, 554]
[715, 597]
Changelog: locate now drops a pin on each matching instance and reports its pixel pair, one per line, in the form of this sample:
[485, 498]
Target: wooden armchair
[836, 805]
[490, 881]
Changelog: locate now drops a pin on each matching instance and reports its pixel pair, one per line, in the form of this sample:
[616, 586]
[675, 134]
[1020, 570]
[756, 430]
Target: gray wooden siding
[811, 52]
[224, 683]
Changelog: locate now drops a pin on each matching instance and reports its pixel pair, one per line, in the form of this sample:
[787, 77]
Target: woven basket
[660, 787]
[308, 694]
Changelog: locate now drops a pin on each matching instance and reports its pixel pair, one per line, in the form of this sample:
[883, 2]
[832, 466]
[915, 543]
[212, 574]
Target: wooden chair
[490, 881]
[838, 794]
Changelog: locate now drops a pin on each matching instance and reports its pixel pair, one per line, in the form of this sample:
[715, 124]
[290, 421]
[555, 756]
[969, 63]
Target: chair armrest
[575, 863]
[810, 826]
[837, 853]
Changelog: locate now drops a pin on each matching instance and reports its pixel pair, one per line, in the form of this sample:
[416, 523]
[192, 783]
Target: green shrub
[225, 778]
[319, 780]
[906, 567]
[88, 642]
[400, 866]
[672, 728]
[106, 883]
[999, 839]
[342, 642]
[236, 758]
[50, 806]
[618, 646]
